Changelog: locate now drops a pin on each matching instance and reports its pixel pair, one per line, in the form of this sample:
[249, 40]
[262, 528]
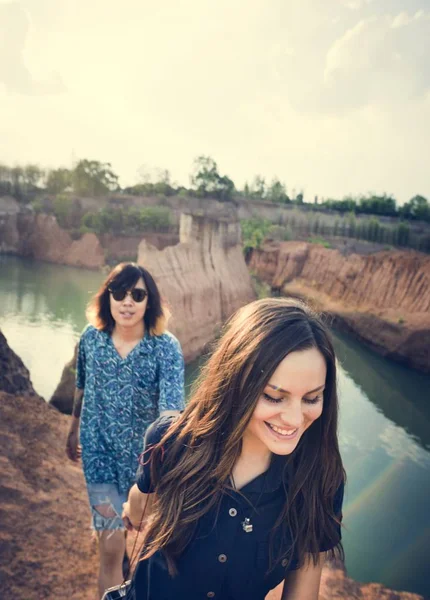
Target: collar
[270, 480]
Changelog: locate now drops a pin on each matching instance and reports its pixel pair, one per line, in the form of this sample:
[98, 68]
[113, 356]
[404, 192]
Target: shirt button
[284, 563]
[222, 558]
[210, 594]
[232, 512]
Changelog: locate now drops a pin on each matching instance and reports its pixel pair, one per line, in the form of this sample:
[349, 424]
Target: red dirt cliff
[382, 298]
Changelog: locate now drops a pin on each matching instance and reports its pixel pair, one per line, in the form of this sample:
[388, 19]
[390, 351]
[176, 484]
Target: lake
[384, 420]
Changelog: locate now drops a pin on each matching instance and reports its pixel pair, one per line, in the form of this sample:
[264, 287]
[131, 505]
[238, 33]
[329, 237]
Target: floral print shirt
[122, 396]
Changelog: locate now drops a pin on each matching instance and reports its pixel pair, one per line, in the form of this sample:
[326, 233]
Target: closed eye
[271, 398]
[313, 400]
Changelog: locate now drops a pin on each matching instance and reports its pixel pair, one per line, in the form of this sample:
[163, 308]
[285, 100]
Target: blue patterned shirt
[122, 396]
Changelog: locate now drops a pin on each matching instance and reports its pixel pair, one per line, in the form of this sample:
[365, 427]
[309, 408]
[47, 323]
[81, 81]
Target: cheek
[140, 310]
[263, 411]
[312, 413]
[113, 308]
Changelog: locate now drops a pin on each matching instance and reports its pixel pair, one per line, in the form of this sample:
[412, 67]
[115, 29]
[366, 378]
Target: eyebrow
[279, 389]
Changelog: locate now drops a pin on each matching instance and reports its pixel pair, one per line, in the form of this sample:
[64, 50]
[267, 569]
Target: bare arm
[77, 403]
[169, 413]
[138, 505]
[304, 583]
[73, 450]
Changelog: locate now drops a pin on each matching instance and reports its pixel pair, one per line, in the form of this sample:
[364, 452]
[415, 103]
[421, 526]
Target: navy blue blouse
[122, 397]
[223, 561]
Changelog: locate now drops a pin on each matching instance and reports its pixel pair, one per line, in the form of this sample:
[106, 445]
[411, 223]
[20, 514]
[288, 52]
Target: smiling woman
[129, 371]
[244, 490]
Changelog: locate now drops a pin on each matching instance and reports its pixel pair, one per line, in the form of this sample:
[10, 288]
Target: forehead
[300, 372]
[140, 283]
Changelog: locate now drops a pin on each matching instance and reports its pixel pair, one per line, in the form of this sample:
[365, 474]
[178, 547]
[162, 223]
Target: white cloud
[161, 83]
[380, 60]
[14, 71]
[356, 4]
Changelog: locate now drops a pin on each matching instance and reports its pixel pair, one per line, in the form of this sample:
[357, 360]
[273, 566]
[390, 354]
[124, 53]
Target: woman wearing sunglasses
[129, 371]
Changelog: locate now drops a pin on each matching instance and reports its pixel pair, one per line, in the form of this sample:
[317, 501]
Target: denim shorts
[101, 494]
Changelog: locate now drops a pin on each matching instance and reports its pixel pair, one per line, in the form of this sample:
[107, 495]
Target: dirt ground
[47, 551]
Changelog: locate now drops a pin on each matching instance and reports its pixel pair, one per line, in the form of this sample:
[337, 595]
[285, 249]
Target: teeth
[282, 431]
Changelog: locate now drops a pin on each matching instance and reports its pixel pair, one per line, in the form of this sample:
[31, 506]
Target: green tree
[63, 207]
[352, 225]
[253, 233]
[276, 192]
[417, 208]
[403, 234]
[377, 205]
[93, 178]
[258, 188]
[208, 182]
[336, 227]
[20, 182]
[58, 180]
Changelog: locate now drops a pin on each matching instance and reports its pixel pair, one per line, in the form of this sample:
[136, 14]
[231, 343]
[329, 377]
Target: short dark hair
[125, 276]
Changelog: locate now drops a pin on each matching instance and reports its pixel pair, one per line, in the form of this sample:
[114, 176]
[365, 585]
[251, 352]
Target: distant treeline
[324, 229]
[92, 178]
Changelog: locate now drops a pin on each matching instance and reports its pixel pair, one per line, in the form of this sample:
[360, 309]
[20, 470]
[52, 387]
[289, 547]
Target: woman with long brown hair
[244, 489]
[129, 371]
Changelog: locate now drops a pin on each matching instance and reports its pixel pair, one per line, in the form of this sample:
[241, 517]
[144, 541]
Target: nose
[292, 416]
[127, 298]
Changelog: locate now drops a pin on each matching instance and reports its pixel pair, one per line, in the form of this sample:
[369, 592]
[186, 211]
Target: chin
[283, 448]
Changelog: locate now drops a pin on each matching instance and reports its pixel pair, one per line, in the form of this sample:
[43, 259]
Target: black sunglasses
[138, 294]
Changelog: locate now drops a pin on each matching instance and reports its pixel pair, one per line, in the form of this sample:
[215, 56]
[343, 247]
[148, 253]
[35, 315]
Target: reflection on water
[401, 394]
[384, 437]
[384, 420]
[42, 312]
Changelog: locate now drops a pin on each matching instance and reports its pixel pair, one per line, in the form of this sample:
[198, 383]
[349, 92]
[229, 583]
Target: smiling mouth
[126, 314]
[280, 431]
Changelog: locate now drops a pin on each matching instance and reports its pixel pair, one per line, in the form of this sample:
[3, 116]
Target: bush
[127, 220]
[63, 207]
[279, 233]
[253, 233]
[319, 240]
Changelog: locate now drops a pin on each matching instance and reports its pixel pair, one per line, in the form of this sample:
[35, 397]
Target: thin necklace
[247, 523]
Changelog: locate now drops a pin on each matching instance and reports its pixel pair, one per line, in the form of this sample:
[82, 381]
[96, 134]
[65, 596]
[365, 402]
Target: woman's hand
[126, 517]
[73, 449]
[137, 510]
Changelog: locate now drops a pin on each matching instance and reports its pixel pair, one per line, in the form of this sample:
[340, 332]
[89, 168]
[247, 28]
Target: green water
[384, 421]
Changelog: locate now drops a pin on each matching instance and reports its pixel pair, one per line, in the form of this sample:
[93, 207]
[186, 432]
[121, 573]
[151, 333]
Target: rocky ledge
[383, 299]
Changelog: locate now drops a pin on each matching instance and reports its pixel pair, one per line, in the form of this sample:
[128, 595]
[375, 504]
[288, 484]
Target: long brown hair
[125, 276]
[205, 442]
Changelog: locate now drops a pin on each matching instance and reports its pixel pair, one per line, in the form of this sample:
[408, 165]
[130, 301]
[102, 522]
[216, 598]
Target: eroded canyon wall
[204, 278]
[383, 298]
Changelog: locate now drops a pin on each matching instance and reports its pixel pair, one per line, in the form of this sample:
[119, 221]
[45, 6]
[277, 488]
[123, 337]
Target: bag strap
[133, 555]
[143, 463]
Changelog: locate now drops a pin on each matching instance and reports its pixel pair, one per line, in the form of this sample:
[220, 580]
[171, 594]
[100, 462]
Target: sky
[332, 97]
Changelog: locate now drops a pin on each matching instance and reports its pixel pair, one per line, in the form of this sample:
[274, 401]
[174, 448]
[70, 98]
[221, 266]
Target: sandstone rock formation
[39, 236]
[383, 298]
[46, 550]
[122, 248]
[46, 240]
[14, 376]
[204, 278]
[62, 398]
[45, 540]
